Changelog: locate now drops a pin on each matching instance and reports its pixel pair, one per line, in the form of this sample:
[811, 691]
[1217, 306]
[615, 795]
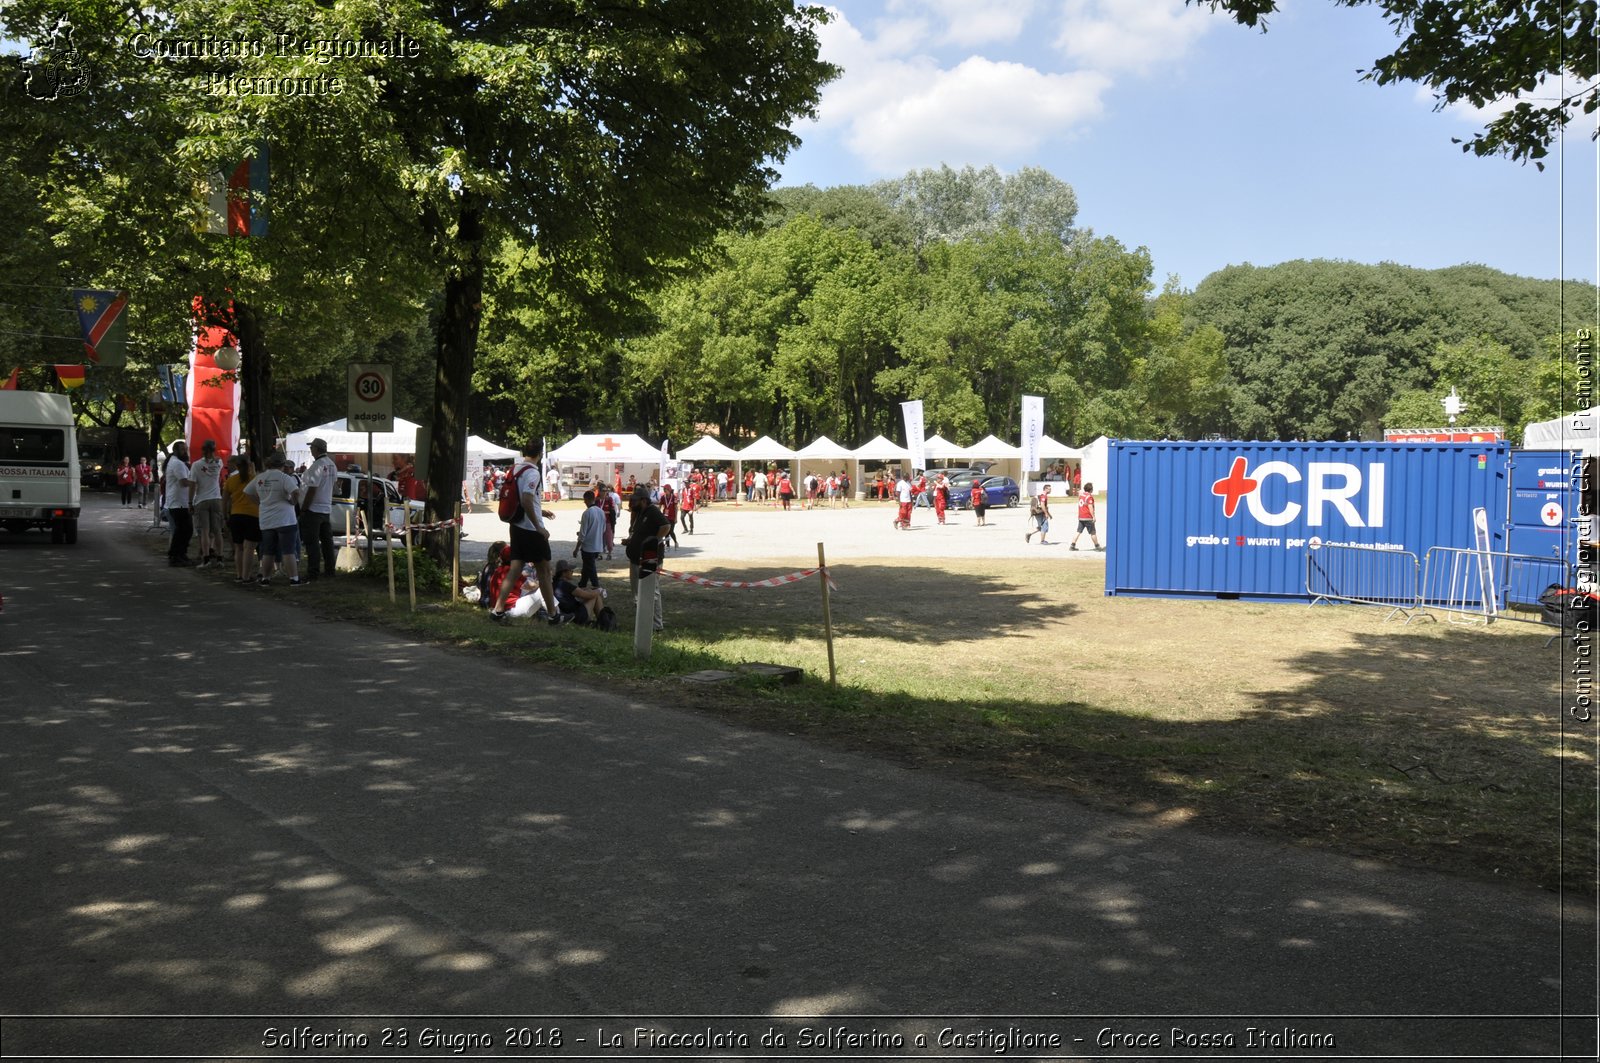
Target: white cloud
[1131, 35]
[981, 112]
[972, 22]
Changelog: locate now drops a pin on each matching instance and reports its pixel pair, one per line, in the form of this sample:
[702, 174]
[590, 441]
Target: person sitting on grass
[485, 575]
[518, 604]
[577, 604]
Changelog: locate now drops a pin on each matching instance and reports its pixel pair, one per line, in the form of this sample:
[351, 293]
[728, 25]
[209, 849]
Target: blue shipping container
[1235, 519]
[1544, 504]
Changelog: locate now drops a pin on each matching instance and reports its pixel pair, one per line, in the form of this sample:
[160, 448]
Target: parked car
[349, 488]
[1001, 491]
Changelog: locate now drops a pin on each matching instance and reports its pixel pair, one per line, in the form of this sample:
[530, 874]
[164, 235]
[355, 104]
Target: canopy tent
[766, 449]
[1095, 461]
[1049, 449]
[825, 452]
[1576, 431]
[880, 449]
[708, 447]
[938, 448]
[992, 447]
[479, 447]
[615, 448]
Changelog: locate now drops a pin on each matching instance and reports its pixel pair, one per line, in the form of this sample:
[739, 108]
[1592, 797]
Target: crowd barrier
[1481, 586]
[1362, 575]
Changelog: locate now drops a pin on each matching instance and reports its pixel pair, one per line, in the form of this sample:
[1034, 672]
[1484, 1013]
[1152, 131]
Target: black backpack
[606, 620]
[1569, 607]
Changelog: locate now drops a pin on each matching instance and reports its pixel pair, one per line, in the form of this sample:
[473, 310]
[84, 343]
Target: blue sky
[1204, 141]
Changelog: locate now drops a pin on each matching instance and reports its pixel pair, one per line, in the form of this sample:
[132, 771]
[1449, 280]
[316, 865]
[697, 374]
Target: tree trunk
[455, 350]
[255, 382]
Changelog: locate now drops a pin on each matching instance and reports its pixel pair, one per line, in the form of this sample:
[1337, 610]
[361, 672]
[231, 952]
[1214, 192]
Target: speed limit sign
[371, 399]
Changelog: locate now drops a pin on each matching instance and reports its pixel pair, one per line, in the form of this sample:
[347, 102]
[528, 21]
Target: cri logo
[1328, 483]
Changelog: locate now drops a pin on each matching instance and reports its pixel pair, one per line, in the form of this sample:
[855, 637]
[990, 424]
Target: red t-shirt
[1085, 506]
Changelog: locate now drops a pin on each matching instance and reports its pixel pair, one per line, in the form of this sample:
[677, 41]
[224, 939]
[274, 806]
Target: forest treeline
[968, 289]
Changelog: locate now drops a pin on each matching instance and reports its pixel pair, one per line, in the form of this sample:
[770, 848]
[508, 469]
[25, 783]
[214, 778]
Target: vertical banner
[661, 477]
[212, 392]
[915, 438]
[1032, 430]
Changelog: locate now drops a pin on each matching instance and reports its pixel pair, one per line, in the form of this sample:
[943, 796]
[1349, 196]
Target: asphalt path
[213, 803]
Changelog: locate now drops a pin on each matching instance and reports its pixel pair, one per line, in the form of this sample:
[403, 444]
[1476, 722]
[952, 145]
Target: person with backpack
[1039, 510]
[980, 501]
[522, 506]
[1086, 518]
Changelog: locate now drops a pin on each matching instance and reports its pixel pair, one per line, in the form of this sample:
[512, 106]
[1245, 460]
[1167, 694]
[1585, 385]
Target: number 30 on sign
[371, 398]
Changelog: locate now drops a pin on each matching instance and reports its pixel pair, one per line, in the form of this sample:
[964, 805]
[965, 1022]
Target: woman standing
[144, 476]
[785, 490]
[941, 496]
[980, 500]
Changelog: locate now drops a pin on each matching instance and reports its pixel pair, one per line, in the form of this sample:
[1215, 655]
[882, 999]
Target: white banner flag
[912, 411]
[1032, 430]
[661, 477]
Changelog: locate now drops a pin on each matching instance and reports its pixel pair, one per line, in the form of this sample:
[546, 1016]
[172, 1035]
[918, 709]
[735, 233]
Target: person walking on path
[143, 475]
[125, 480]
[980, 501]
[177, 496]
[1041, 513]
[902, 493]
[785, 490]
[530, 536]
[1086, 519]
[941, 496]
[669, 509]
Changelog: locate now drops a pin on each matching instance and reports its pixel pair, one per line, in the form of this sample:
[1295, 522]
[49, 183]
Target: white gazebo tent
[596, 457]
[709, 448]
[403, 440]
[878, 449]
[481, 448]
[1095, 462]
[765, 449]
[938, 448]
[1575, 431]
[827, 452]
[1008, 457]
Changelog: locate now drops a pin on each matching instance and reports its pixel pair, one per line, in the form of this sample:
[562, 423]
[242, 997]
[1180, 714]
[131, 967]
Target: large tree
[1539, 55]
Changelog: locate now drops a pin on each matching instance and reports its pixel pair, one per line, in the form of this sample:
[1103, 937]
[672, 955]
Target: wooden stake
[411, 565]
[388, 549]
[827, 613]
[455, 556]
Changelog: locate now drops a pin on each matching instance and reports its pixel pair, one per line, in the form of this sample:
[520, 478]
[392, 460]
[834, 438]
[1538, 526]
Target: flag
[1032, 429]
[912, 412]
[173, 385]
[236, 196]
[11, 385]
[661, 477]
[71, 376]
[100, 319]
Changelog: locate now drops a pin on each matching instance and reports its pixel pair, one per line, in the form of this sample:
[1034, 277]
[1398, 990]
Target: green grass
[1432, 744]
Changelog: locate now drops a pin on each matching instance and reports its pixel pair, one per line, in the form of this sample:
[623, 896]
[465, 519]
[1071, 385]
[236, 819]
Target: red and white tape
[438, 525]
[740, 585]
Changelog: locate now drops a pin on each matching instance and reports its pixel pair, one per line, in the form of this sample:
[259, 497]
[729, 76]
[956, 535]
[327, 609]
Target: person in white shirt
[591, 539]
[530, 537]
[177, 486]
[316, 512]
[278, 494]
[902, 494]
[207, 511]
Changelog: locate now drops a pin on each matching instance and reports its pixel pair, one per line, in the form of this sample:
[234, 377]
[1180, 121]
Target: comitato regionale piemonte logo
[55, 69]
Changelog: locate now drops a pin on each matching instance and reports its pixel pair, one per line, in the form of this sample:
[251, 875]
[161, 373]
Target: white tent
[1095, 461]
[1576, 431]
[824, 449]
[1050, 450]
[880, 449]
[938, 448]
[706, 448]
[480, 448]
[403, 440]
[992, 447]
[766, 449]
[615, 448]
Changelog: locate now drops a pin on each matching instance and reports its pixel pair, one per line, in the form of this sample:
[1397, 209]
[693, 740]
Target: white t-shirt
[207, 474]
[277, 492]
[530, 483]
[318, 485]
[176, 495]
[902, 490]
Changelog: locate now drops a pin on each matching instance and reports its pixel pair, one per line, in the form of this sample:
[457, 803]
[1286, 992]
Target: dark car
[1001, 490]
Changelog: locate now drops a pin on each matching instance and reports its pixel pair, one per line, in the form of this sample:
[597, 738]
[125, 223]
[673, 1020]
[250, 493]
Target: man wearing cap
[316, 510]
[530, 537]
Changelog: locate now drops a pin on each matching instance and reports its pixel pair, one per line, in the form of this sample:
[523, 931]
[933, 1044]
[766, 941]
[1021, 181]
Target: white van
[39, 464]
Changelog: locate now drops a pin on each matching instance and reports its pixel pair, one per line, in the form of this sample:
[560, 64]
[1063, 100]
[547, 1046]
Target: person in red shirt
[1086, 518]
[687, 500]
[785, 490]
[125, 479]
[144, 476]
[941, 496]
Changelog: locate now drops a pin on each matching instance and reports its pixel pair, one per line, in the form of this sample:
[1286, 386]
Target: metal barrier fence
[1363, 575]
[1481, 586]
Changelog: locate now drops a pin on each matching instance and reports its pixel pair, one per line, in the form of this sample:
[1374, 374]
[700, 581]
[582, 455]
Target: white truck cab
[39, 464]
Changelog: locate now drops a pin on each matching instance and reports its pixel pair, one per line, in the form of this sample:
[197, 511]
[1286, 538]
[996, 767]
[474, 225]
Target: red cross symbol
[1551, 515]
[608, 445]
[1234, 487]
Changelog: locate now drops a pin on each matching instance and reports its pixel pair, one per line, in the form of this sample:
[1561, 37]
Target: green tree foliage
[1481, 52]
[952, 205]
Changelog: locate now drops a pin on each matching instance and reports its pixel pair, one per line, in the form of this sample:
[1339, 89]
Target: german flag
[71, 376]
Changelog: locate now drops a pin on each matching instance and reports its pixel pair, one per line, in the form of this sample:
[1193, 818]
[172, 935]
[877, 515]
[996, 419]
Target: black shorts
[243, 529]
[528, 545]
[1086, 526]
